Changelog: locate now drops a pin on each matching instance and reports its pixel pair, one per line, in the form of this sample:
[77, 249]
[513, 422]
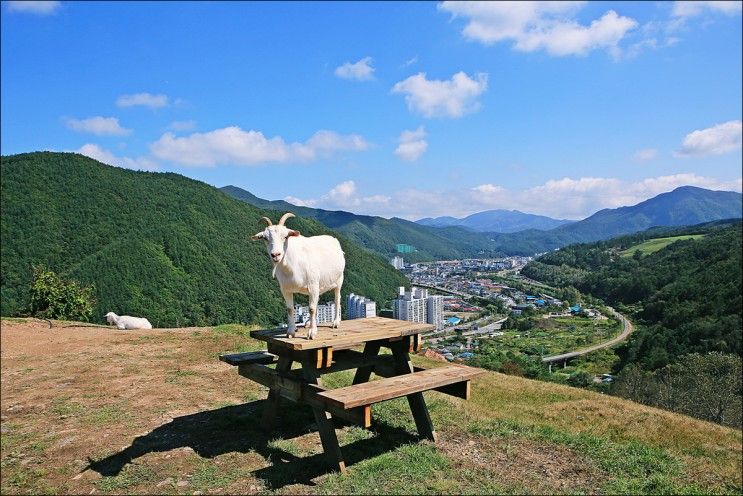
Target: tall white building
[397, 262]
[360, 307]
[325, 313]
[435, 311]
[417, 306]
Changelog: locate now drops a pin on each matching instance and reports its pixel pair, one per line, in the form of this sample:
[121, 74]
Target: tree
[54, 298]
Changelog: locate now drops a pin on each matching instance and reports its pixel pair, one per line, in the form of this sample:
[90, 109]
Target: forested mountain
[500, 221]
[173, 249]
[381, 235]
[683, 206]
[686, 296]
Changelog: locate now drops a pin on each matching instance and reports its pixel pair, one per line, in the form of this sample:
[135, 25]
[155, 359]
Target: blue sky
[396, 109]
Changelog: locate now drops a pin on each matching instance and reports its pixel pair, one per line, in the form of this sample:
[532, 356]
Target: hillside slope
[686, 296]
[168, 429]
[381, 235]
[161, 245]
[684, 206]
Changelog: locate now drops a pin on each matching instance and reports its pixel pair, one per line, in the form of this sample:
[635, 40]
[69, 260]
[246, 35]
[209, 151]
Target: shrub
[54, 298]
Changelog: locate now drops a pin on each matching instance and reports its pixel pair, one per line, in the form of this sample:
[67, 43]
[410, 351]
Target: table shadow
[237, 429]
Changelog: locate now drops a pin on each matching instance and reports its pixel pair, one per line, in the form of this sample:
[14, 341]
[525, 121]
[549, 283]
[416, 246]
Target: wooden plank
[417, 403]
[400, 385]
[271, 410]
[458, 389]
[325, 425]
[366, 362]
[350, 333]
[328, 357]
[296, 390]
[261, 357]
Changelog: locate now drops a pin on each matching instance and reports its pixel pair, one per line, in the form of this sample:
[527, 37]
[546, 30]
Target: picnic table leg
[371, 349]
[325, 425]
[271, 408]
[403, 365]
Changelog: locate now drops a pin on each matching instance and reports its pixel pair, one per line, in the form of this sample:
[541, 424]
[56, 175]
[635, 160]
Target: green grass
[656, 244]
[632, 467]
[132, 475]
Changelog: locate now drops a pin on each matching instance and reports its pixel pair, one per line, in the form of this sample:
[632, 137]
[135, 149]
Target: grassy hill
[686, 296]
[167, 429]
[175, 250]
[656, 244]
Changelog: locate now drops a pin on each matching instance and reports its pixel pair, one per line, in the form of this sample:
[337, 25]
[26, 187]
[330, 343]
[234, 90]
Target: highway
[627, 329]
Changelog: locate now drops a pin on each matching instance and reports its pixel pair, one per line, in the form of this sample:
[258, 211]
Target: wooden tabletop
[350, 333]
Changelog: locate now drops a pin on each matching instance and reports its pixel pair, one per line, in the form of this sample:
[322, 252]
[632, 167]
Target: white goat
[303, 265]
[127, 322]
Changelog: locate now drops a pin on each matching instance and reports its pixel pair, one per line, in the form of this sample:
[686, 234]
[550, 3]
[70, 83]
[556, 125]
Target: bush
[53, 298]
[580, 379]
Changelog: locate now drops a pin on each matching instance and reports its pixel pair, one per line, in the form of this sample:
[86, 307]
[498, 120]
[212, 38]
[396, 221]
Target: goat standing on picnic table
[303, 265]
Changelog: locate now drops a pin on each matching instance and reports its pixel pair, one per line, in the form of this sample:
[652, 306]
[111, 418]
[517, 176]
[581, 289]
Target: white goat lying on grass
[127, 322]
[308, 266]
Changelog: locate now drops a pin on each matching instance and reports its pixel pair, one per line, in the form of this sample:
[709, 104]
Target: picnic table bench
[333, 351]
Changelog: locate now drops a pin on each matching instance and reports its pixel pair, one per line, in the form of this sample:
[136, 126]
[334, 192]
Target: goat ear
[292, 232]
[257, 236]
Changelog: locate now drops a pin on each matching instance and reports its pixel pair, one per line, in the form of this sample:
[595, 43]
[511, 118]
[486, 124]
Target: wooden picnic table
[332, 351]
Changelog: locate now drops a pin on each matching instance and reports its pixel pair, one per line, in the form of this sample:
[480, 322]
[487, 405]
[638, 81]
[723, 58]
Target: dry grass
[90, 409]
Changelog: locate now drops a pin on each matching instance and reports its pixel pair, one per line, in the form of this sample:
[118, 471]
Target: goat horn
[268, 221]
[284, 217]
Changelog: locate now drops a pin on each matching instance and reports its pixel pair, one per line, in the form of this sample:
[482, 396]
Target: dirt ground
[87, 410]
[74, 396]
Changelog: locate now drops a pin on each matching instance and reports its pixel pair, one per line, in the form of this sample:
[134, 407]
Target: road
[627, 329]
[444, 290]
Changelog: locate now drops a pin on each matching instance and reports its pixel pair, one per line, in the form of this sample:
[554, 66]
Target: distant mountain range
[686, 205]
[500, 221]
[382, 235]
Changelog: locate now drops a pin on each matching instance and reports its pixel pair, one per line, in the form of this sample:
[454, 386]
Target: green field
[657, 244]
[558, 335]
[550, 336]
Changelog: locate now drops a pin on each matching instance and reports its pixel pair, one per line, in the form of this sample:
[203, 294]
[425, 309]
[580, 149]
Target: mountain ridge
[381, 235]
[497, 220]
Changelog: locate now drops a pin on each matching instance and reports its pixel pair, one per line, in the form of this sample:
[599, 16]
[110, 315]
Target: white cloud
[565, 198]
[644, 155]
[33, 7]
[299, 202]
[488, 189]
[359, 71]
[448, 98]
[98, 125]
[343, 196]
[540, 25]
[412, 145]
[182, 125]
[142, 99]
[715, 140]
[232, 145]
[102, 155]
[689, 9]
